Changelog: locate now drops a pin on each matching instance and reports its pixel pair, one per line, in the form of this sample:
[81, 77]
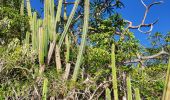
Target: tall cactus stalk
[29, 9]
[45, 89]
[67, 42]
[108, 96]
[22, 8]
[67, 53]
[51, 19]
[34, 31]
[114, 76]
[28, 6]
[56, 26]
[46, 26]
[137, 94]
[58, 59]
[27, 39]
[166, 92]
[41, 50]
[83, 41]
[57, 50]
[68, 22]
[39, 25]
[22, 13]
[129, 89]
[52, 46]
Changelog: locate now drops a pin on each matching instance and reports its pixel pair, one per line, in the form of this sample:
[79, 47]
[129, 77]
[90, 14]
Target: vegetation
[89, 55]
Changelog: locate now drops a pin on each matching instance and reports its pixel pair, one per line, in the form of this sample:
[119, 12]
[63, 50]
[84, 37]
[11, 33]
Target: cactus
[114, 77]
[166, 92]
[45, 89]
[58, 60]
[22, 13]
[137, 94]
[67, 55]
[58, 14]
[34, 31]
[51, 20]
[22, 8]
[28, 6]
[41, 46]
[83, 41]
[27, 39]
[67, 42]
[129, 89]
[39, 25]
[68, 23]
[108, 96]
[29, 9]
[56, 26]
[45, 25]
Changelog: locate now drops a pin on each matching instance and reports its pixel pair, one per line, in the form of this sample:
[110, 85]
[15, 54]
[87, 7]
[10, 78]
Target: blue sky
[134, 11]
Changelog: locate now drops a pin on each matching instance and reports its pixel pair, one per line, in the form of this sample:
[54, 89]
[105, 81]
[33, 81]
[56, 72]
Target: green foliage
[10, 24]
[18, 69]
[97, 59]
[145, 78]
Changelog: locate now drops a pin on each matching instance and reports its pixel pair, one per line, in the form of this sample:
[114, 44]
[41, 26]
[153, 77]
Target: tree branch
[142, 24]
[143, 58]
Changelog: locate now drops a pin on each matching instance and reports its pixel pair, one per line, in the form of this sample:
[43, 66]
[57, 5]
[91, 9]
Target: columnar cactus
[34, 31]
[108, 96]
[22, 8]
[137, 94]
[129, 89]
[166, 92]
[83, 41]
[114, 76]
[45, 89]
[68, 22]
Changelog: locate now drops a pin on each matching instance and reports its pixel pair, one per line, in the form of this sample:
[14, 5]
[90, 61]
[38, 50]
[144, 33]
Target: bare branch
[154, 3]
[143, 58]
[142, 24]
[143, 3]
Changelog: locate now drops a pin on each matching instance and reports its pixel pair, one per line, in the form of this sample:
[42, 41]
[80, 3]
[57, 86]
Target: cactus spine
[83, 41]
[114, 77]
